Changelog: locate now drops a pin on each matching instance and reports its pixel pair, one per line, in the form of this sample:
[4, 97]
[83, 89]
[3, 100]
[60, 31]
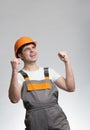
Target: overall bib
[40, 99]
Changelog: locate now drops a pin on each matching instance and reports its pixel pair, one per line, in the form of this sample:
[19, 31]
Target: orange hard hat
[22, 41]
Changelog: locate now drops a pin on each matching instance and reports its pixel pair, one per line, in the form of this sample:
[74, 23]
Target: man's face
[29, 53]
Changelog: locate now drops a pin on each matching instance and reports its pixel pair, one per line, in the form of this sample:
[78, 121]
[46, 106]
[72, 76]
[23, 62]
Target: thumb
[61, 55]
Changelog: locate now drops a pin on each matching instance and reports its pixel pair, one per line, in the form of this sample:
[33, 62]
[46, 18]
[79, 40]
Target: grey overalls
[40, 99]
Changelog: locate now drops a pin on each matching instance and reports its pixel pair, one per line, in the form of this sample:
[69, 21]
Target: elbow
[13, 100]
[72, 89]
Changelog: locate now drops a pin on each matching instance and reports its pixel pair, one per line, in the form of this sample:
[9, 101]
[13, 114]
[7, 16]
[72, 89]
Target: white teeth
[32, 55]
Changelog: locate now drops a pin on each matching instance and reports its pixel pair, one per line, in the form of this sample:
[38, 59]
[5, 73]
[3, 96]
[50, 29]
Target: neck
[31, 67]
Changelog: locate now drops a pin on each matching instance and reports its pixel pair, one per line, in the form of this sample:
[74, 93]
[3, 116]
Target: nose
[31, 49]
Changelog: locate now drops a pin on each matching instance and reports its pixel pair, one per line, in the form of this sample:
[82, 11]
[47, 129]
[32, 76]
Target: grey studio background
[56, 25]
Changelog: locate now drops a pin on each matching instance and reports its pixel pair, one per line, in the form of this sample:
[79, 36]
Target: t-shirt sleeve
[20, 79]
[53, 74]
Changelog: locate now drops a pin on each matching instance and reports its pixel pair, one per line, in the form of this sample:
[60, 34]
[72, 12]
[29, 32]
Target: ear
[20, 55]
[35, 43]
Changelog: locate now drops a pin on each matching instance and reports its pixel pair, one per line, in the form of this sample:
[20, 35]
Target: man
[36, 86]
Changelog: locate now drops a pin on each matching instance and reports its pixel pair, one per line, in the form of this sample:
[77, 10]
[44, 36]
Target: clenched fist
[63, 56]
[15, 64]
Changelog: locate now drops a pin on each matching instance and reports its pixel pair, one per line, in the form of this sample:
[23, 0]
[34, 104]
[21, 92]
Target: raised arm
[67, 83]
[15, 88]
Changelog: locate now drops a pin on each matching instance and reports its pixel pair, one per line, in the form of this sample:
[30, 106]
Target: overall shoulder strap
[46, 73]
[25, 76]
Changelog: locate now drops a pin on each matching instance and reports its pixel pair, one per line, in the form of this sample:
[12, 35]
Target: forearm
[14, 89]
[70, 83]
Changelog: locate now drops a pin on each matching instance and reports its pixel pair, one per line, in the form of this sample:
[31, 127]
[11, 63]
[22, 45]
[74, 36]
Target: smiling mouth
[32, 56]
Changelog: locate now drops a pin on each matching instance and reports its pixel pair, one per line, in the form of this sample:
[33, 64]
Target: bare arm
[67, 83]
[15, 88]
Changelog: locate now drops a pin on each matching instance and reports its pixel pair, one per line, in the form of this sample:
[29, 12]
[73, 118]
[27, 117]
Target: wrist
[15, 71]
[67, 62]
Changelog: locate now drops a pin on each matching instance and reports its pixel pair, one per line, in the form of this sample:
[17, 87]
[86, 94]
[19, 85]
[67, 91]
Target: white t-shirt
[39, 75]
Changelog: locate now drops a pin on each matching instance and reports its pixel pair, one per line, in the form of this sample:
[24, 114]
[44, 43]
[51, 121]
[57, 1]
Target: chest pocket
[33, 85]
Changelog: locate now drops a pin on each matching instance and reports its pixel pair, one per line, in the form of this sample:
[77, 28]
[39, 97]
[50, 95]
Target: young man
[36, 86]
